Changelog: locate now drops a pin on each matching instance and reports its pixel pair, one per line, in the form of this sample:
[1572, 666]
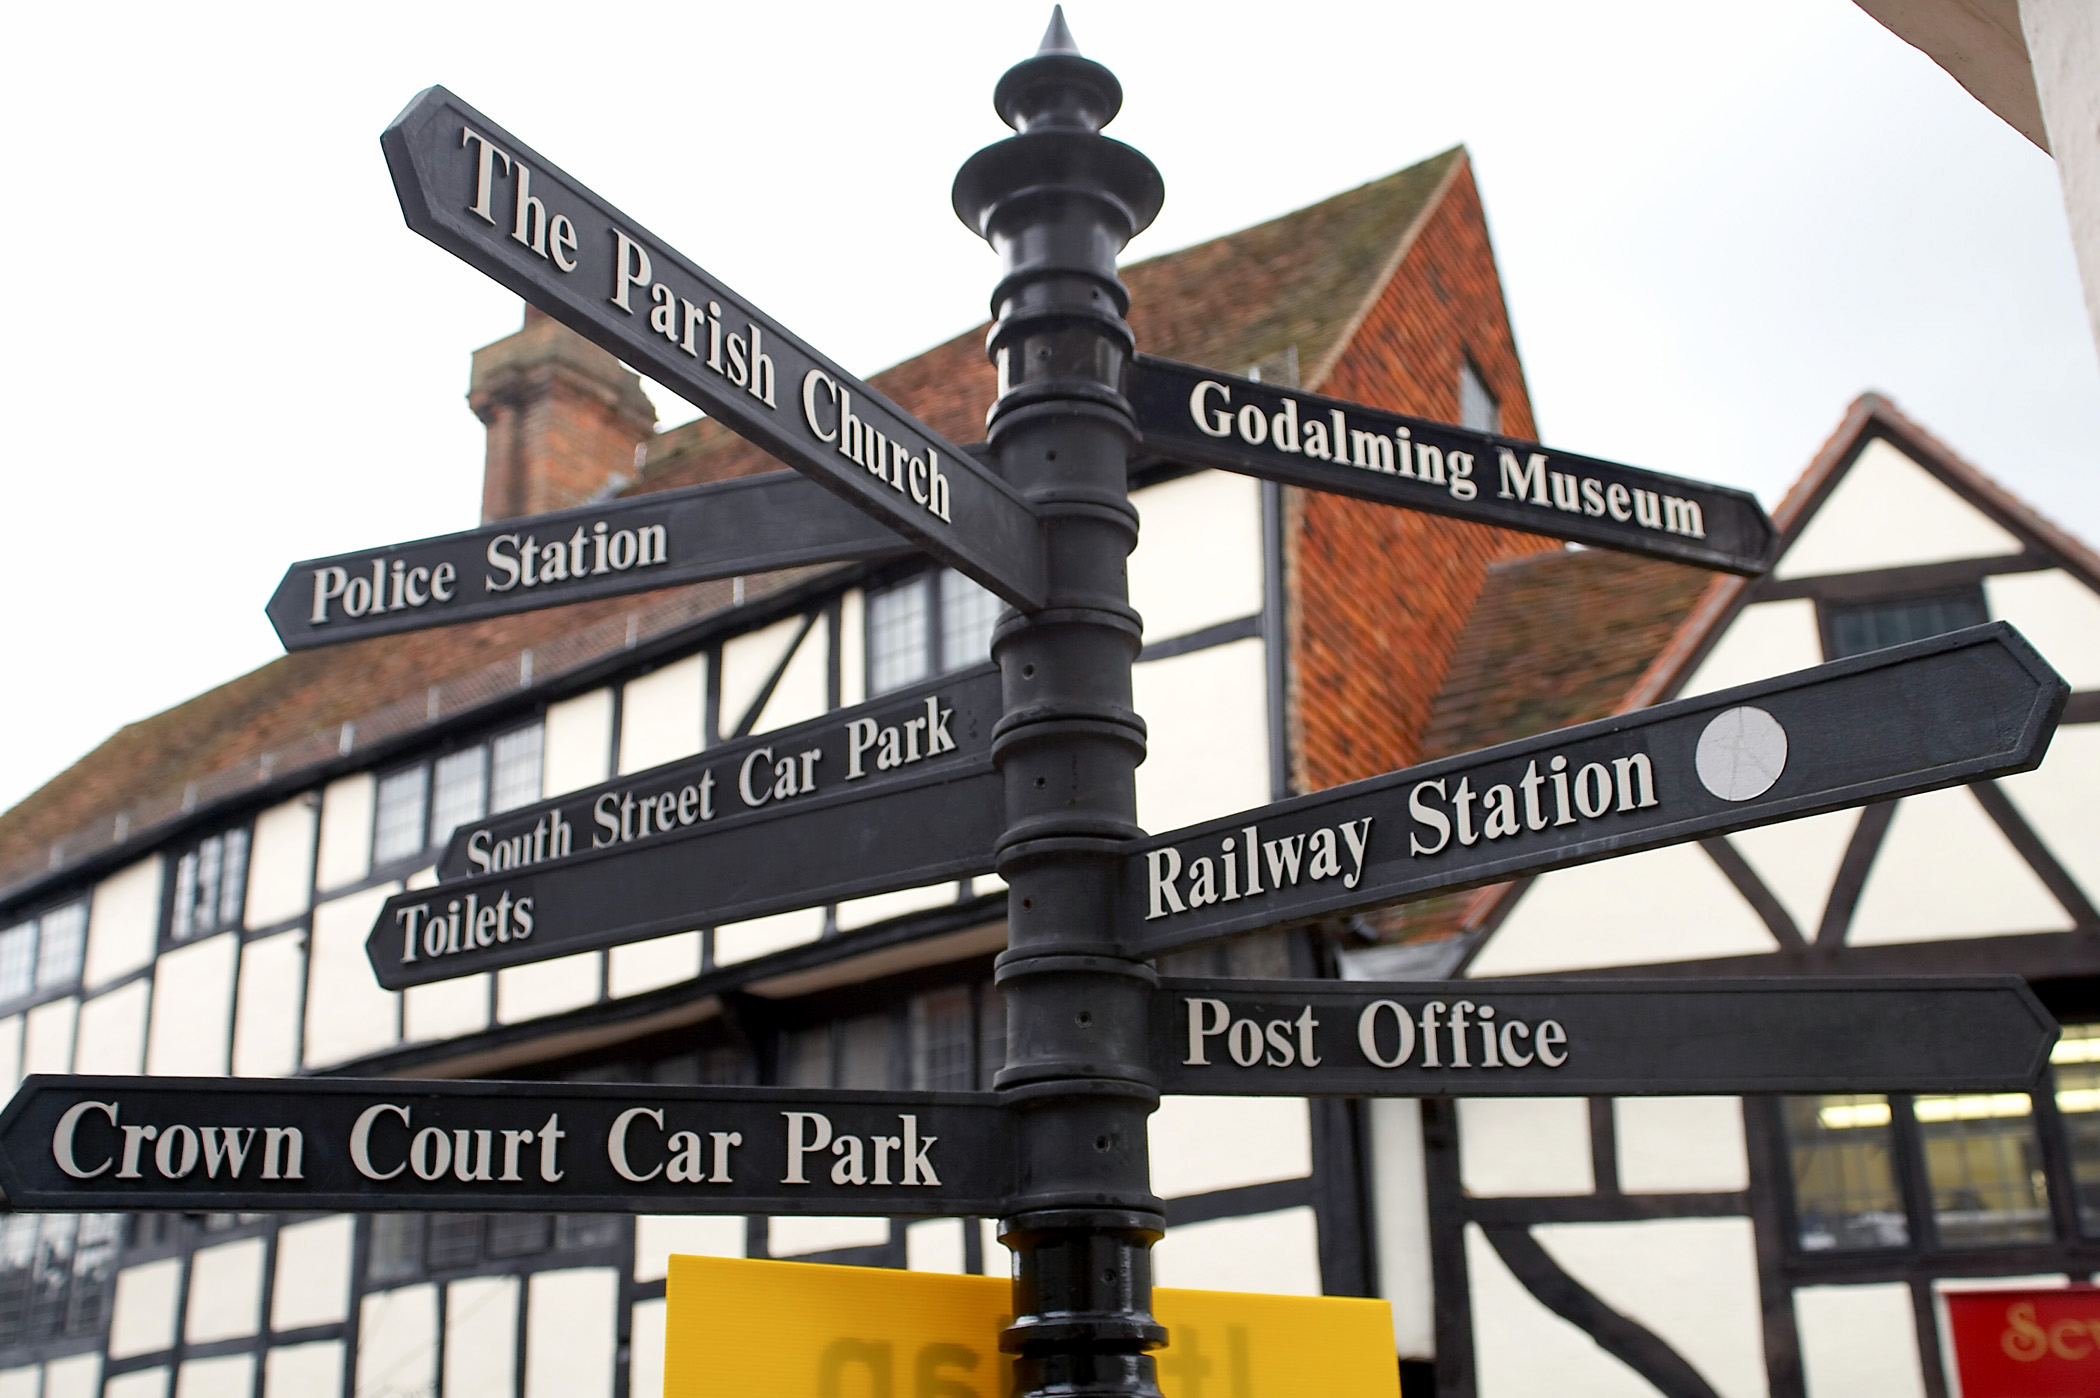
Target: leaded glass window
[397, 828]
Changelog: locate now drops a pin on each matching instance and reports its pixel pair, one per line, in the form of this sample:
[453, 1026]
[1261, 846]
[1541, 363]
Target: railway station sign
[1547, 1038]
[497, 204]
[1959, 707]
[1206, 418]
[247, 1144]
[804, 1330]
[754, 524]
[929, 732]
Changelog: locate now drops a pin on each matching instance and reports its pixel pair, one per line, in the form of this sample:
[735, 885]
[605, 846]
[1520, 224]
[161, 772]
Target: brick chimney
[564, 418]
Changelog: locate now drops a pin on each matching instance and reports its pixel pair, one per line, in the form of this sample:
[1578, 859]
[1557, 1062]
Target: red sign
[2027, 1344]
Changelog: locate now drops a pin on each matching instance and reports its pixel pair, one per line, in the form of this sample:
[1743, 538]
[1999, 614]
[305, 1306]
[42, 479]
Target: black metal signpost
[1205, 418]
[1032, 770]
[722, 530]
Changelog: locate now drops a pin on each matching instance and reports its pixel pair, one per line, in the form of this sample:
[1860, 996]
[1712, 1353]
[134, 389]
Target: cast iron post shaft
[1059, 201]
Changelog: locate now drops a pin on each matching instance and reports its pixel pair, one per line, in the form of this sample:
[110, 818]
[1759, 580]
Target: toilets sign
[498, 205]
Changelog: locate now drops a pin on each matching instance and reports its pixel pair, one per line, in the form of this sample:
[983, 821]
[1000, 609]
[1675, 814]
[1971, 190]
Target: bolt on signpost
[1058, 201]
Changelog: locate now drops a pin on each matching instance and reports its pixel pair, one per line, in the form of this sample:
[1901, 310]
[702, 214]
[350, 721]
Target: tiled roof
[1294, 281]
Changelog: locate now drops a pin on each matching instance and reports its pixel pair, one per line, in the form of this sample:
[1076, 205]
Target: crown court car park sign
[1029, 768]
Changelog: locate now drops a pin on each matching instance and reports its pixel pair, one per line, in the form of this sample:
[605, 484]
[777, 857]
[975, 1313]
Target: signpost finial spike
[1058, 37]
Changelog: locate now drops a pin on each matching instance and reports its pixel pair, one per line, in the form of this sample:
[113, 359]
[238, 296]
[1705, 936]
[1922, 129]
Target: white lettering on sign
[858, 1160]
[1534, 482]
[487, 1155]
[553, 238]
[693, 326]
[1463, 1034]
[392, 587]
[1441, 810]
[1331, 439]
[549, 838]
[681, 1158]
[463, 927]
[527, 562]
[177, 1150]
[1244, 858]
[911, 471]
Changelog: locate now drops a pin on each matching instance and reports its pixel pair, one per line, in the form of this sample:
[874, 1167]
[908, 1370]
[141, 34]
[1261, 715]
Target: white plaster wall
[397, 1341]
[47, 1037]
[481, 1337]
[793, 1235]
[347, 1014]
[1798, 861]
[1670, 904]
[113, 1031]
[1208, 746]
[804, 687]
[142, 1383]
[228, 1376]
[571, 1319]
[1690, 1281]
[1765, 639]
[76, 1376]
[880, 907]
[281, 862]
[645, 1354]
[303, 1371]
[226, 1290]
[2058, 613]
[2063, 43]
[346, 832]
[2056, 799]
[193, 1009]
[445, 1009]
[1199, 556]
[142, 1315]
[1889, 512]
[313, 1273]
[1525, 1146]
[21, 1383]
[1277, 1253]
[266, 1008]
[1525, 1350]
[651, 965]
[1680, 1145]
[934, 1245]
[998, 1261]
[761, 936]
[123, 923]
[658, 1236]
[1858, 1340]
[663, 714]
[748, 661]
[853, 648]
[1201, 1144]
[548, 988]
[1946, 870]
[577, 743]
[1400, 1223]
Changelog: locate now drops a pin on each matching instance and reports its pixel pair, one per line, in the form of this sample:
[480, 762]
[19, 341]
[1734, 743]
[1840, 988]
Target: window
[211, 882]
[403, 1246]
[1983, 1163]
[940, 1041]
[56, 1274]
[1477, 407]
[2076, 1060]
[514, 775]
[397, 828]
[43, 953]
[968, 613]
[1845, 1191]
[458, 792]
[898, 628]
[1855, 628]
[17, 961]
[949, 1039]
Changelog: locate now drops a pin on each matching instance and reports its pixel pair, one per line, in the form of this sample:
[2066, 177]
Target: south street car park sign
[893, 794]
[218, 1143]
[483, 195]
[1955, 708]
[1206, 418]
[1536, 1037]
[721, 530]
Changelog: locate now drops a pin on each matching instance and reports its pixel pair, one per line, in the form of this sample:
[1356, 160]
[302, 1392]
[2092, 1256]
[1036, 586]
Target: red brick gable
[1379, 596]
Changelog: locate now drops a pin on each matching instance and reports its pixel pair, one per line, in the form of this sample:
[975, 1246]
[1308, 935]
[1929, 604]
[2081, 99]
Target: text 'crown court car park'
[1027, 768]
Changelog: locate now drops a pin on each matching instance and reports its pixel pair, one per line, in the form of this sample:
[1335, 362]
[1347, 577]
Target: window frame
[192, 847]
[932, 582]
[1829, 610]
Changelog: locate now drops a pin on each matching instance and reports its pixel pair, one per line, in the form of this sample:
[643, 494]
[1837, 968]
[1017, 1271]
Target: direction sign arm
[495, 203]
[1202, 417]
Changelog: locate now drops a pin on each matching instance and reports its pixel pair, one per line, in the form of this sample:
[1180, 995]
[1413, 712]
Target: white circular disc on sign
[1741, 753]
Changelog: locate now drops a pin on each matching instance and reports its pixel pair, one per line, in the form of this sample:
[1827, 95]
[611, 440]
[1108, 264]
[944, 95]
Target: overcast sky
[1716, 224]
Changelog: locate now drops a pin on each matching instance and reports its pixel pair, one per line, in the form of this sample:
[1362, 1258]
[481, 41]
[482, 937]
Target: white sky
[1716, 223]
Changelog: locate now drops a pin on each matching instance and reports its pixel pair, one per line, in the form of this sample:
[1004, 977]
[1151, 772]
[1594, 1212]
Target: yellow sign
[743, 1329]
